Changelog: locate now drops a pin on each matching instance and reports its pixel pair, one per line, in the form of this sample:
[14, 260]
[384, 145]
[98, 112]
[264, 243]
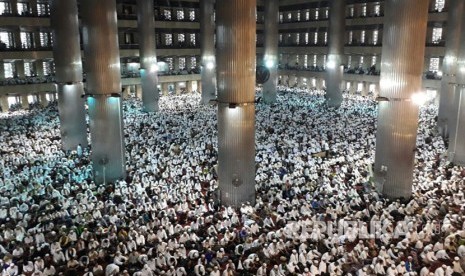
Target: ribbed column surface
[236, 28]
[100, 37]
[68, 64]
[401, 67]
[236, 154]
[207, 44]
[457, 113]
[271, 49]
[236, 36]
[103, 86]
[336, 37]
[148, 57]
[449, 65]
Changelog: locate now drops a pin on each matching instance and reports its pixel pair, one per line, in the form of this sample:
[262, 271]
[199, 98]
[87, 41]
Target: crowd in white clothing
[313, 175]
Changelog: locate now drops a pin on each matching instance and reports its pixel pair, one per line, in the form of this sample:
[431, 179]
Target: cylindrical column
[353, 87]
[33, 6]
[14, 6]
[334, 67]
[319, 84]
[2, 70]
[165, 89]
[19, 64]
[68, 64]
[104, 88]
[402, 63]
[39, 67]
[365, 87]
[4, 103]
[176, 63]
[177, 88]
[449, 66]
[36, 39]
[236, 94]
[207, 44]
[148, 57]
[457, 114]
[376, 90]
[24, 102]
[292, 81]
[271, 50]
[17, 38]
[44, 102]
[140, 91]
[126, 92]
[199, 86]
[189, 85]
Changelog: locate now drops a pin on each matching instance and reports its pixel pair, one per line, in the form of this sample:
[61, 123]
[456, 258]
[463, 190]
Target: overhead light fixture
[382, 99]
[210, 65]
[115, 95]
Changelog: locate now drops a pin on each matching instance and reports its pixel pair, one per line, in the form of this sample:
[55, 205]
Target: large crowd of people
[317, 211]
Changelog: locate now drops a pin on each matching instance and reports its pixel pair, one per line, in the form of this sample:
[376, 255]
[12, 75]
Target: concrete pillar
[132, 91]
[236, 95]
[457, 116]
[292, 81]
[189, 85]
[33, 6]
[449, 66]
[126, 92]
[301, 82]
[334, 65]
[344, 85]
[319, 84]
[353, 88]
[17, 38]
[39, 67]
[4, 103]
[271, 50]
[402, 63]
[24, 102]
[2, 70]
[14, 6]
[176, 63]
[177, 88]
[19, 65]
[104, 88]
[207, 45]
[44, 102]
[293, 60]
[376, 90]
[165, 89]
[189, 63]
[148, 57]
[139, 91]
[68, 64]
[364, 91]
[36, 38]
[285, 60]
[199, 86]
